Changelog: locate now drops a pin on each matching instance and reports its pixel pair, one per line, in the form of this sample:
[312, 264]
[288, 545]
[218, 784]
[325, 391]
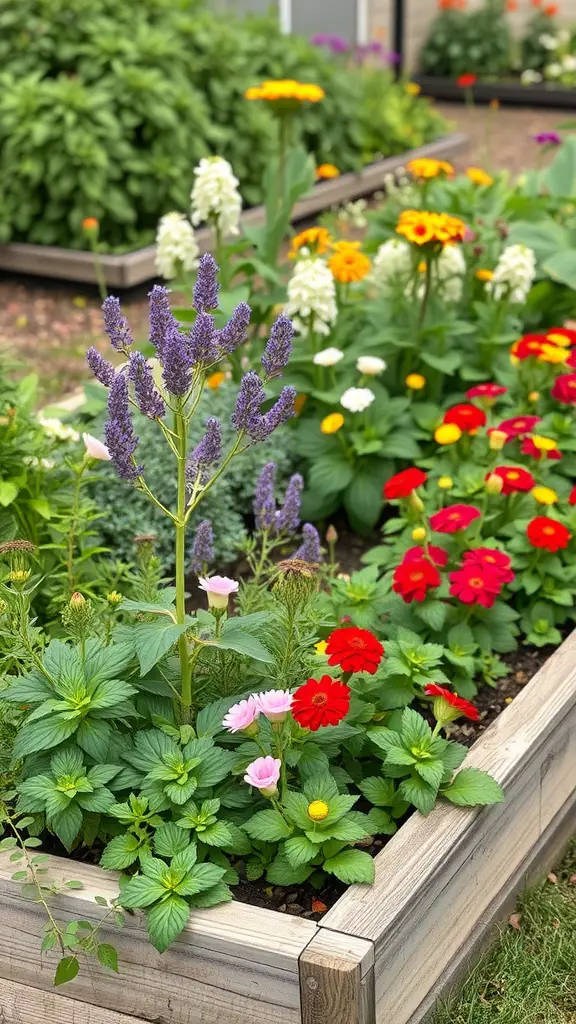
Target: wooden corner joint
[337, 979]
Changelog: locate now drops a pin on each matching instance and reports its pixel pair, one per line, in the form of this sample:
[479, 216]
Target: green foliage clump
[476, 41]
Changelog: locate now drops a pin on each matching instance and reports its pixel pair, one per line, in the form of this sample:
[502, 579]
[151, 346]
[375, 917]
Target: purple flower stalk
[116, 325]
[148, 398]
[160, 317]
[203, 547]
[288, 518]
[265, 499]
[337, 44]
[547, 139]
[101, 368]
[250, 398]
[309, 550]
[205, 294]
[234, 333]
[207, 451]
[119, 435]
[278, 348]
[203, 340]
[260, 427]
[176, 372]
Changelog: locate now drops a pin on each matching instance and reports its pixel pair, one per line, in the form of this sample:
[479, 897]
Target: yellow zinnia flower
[426, 168]
[327, 171]
[418, 533]
[415, 381]
[533, 396]
[320, 647]
[478, 176]
[316, 239]
[552, 354]
[484, 275]
[497, 440]
[348, 263]
[545, 495]
[447, 433]
[286, 90]
[331, 424]
[413, 89]
[544, 444]
[445, 483]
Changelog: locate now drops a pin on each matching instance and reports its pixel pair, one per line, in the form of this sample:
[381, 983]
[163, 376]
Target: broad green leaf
[169, 839]
[43, 735]
[66, 970]
[300, 850]
[8, 492]
[237, 639]
[281, 873]
[415, 791]
[94, 737]
[201, 877]
[352, 866]
[561, 267]
[219, 893]
[152, 640]
[121, 852]
[217, 834]
[379, 792]
[67, 825]
[166, 920]
[472, 787]
[108, 956]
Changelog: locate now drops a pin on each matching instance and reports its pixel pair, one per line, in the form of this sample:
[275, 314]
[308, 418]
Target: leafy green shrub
[476, 41]
[105, 109]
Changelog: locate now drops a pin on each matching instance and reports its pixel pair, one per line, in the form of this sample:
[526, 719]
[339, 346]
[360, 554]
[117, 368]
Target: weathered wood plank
[20, 1004]
[337, 980]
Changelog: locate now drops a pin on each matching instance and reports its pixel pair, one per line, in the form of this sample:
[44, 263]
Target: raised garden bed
[134, 268]
[509, 92]
[382, 953]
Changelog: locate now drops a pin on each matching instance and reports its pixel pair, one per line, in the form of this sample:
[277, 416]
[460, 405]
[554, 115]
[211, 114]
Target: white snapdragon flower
[548, 41]
[311, 293]
[514, 274]
[449, 272]
[553, 70]
[215, 195]
[354, 213]
[569, 62]
[371, 366]
[35, 463]
[54, 428]
[392, 265]
[530, 77]
[357, 399]
[328, 357]
[176, 245]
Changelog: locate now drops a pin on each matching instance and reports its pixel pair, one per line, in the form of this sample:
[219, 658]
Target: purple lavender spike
[207, 451]
[205, 294]
[202, 340]
[161, 318]
[250, 398]
[288, 518]
[116, 325]
[203, 547]
[309, 550]
[260, 427]
[148, 398]
[278, 348]
[234, 333]
[101, 368]
[119, 435]
[177, 363]
[264, 505]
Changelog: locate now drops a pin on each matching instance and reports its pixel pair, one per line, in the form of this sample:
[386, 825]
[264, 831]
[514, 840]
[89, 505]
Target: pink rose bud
[96, 449]
[218, 590]
[275, 704]
[242, 717]
[263, 774]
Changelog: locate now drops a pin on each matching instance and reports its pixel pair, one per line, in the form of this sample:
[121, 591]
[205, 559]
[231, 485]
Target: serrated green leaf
[352, 866]
[166, 920]
[66, 970]
[472, 787]
[108, 956]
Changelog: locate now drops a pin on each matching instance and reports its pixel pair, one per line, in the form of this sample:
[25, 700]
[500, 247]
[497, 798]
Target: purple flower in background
[148, 398]
[309, 550]
[265, 498]
[260, 427]
[278, 348]
[203, 547]
[393, 58]
[119, 435]
[101, 368]
[288, 518]
[116, 325]
[176, 362]
[160, 317]
[206, 452]
[250, 398]
[336, 44]
[234, 333]
[205, 294]
[547, 139]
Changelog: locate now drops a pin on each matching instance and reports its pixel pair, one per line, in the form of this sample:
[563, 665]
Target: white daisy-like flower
[514, 274]
[357, 399]
[311, 296]
[328, 357]
[215, 195]
[176, 245]
[371, 366]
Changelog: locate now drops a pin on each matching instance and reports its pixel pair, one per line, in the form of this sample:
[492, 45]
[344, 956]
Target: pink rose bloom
[218, 589]
[275, 704]
[96, 449]
[263, 774]
[242, 715]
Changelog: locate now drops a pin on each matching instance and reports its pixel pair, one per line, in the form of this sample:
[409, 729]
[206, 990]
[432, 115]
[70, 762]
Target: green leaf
[66, 970]
[330, 473]
[379, 792]
[281, 873]
[236, 639]
[42, 735]
[141, 892]
[108, 956]
[472, 787]
[94, 737]
[8, 492]
[219, 893]
[561, 267]
[201, 877]
[351, 866]
[415, 730]
[120, 853]
[169, 840]
[415, 791]
[166, 920]
[67, 825]
[300, 850]
[217, 834]
[432, 612]
[152, 640]
[380, 822]
[431, 771]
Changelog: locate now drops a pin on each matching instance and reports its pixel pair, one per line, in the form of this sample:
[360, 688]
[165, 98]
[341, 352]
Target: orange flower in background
[467, 80]
[316, 239]
[484, 274]
[348, 264]
[90, 224]
[299, 403]
[413, 89]
[479, 176]
[511, 6]
[215, 380]
[551, 10]
[426, 168]
[326, 171]
[287, 89]
[422, 227]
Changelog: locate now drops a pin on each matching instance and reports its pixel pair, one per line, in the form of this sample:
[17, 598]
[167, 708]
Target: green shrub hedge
[106, 107]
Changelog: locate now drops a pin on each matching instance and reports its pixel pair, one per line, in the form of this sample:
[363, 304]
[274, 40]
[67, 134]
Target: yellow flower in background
[415, 381]
[497, 440]
[320, 647]
[418, 533]
[413, 89]
[421, 227]
[545, 495]
[552, 354]
[478, 176]
[484, 274]
[559, 339]
[445, 483]
[215, 380]
[326, 171]
[316, 239]
[544, 444]
[331, 424]
[533, 396]
[299, 403]
[347, 263]
[426, 168]
[447, 433]
[288, 89]
[422, 267]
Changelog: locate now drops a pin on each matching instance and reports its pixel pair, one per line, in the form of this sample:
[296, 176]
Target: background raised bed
[512, 93]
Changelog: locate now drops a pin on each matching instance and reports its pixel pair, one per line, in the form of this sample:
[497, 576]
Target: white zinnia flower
[514, 274]
[370, 365]
[328, 357]
[357, 399]
[176, 246]
[392, 265]
[55, 428]
[448, 273]
[311, 293]
[530, 77]
[215, 195]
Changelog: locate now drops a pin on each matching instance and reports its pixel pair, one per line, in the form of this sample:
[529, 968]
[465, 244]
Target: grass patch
[529, 977]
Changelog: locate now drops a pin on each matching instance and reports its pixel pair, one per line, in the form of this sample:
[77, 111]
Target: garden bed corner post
[337, 980]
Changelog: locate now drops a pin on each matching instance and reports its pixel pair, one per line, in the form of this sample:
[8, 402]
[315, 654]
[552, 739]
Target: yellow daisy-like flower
[326, 171]
[426, 168]
[331, 424]
[418, 533]
[348, 263]
[484, 274]
[445, 483]
[559, 339]
[552, 354]
[545, 495]
[320, 647]
[413, 89]
[415, 381]
[533, 396]
[318, 810]
[287, 90]
[478, 176]
[495, 483]
[447, 433]
[215, 380]
[317, 239]
[422, 227]
[544, 444]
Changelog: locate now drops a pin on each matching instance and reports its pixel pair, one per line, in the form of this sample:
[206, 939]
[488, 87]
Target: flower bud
[494, 484]
[533, 396]
[497, 441]
[418, 533]
[331, 535]
[77, 601]
[445, 483]
[114, 598]
[318, 810]
[19, 575]
[415, 502]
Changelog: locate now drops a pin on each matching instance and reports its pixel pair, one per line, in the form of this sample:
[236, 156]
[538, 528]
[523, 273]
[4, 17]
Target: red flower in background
[561, 336]
[529, 448]
[465, 81]
[402, 484]
[543, 532]
[318, 702]
[518, 425]
[355, 650]
[531, 345]
[492, 558]
[487, 392]
[514, 478]
[413, 579]
[461, 705]
[437, 555]
[564, 389]
[453, 518]
[467, 417]
[572, 496]
[476, 584]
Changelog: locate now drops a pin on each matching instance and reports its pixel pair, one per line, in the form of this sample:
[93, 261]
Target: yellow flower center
[318, 810]
[320, 647]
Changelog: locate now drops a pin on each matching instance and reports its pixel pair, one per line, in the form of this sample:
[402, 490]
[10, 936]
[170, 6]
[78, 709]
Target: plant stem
[71, 537]
[180, 570]
[426, 296]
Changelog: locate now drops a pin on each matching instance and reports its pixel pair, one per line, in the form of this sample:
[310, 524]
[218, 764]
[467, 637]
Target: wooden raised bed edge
[136, 267]
[382, 954]
[511, 93]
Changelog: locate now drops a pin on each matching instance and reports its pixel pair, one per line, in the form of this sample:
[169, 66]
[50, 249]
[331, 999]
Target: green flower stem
[196, 498]
[74, 522]
[426, 295]
[180, 427]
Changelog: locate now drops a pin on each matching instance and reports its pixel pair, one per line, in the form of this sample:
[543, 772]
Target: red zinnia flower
[465, 81]
[543, 532]
[487, 392]
[514, 478]
[437, 555]
[499, 561]
[564, 389]
[453, 518]
[518, 425]
[413, 579]
[456, 702]
[476, 584]
[467, 417]
[402, 484]
[355, 650]
[318, 702]
[572, 496]
[529, 448]
[531, 345]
